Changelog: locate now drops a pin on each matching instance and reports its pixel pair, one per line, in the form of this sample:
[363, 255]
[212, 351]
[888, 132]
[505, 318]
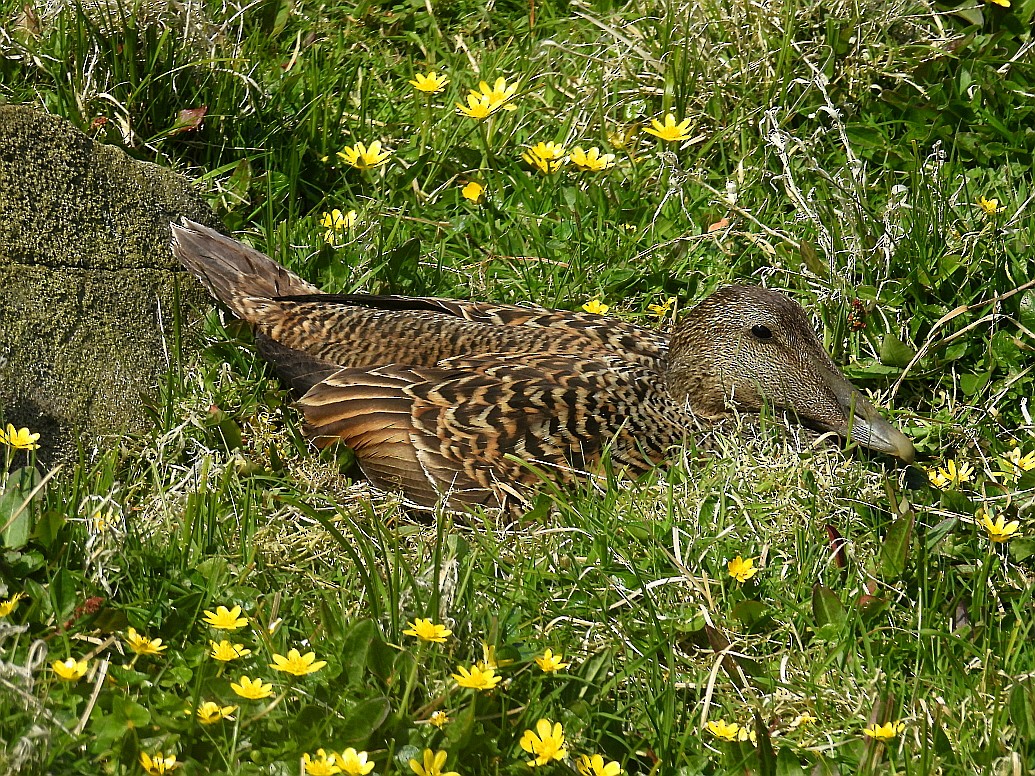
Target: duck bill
[865, 425]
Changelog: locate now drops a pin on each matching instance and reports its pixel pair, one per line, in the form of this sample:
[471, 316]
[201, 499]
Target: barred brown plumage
[474, 402]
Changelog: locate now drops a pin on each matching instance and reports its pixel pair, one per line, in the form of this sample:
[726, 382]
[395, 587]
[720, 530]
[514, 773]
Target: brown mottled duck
[443, 399]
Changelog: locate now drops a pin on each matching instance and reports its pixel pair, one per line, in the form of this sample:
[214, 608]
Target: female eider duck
[472, 403]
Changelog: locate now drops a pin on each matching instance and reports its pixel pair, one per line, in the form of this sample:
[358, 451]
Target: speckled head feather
[473, 402]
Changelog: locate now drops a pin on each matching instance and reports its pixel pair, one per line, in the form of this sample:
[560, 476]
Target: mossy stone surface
[90, 293]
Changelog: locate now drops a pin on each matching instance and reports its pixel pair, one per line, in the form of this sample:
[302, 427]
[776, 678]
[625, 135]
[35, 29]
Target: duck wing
[306, 333]
[461, 430]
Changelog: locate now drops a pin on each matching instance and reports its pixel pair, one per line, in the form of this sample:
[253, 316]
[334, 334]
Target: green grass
[846, 144]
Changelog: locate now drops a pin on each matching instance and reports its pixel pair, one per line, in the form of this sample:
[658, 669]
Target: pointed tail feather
[232, 271]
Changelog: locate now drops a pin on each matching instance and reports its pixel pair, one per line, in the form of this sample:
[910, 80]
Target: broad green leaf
[787, 764]
[894, 551]
[363, 719]
[895, 352]
[827, 607]
[16, 507]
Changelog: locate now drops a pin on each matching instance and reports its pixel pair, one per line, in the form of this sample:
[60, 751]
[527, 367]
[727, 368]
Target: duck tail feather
[232, 271]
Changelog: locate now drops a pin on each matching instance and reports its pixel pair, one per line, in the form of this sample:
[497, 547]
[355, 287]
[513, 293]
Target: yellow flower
[353, 763]
[102, 520]
[210, 712]
[225, 619]
[479, 106]
[426, 630]
[546, 743]
[158, 764]
[8, 606]
[991, 206]
[951, 474]
[143, 645]
[433, 762]
[670, 131]
[998, 530]
[297, 664]
[225, 651]
[1003, 3]
[439, 719]
[742, 570]
[594, 766]
[662, 310]
[1014, 464]
[550, 662]
[430, 83]
[19, 439]
[335, 222]
[473, 191]
[70, 670]
[884, 732]
[364, 157]
[252, 689]
[802, 720]
[477, 678]
[723, 730]
[321, 765]
[545, 157]
[499, 95]
[591, 160]
[596, 307]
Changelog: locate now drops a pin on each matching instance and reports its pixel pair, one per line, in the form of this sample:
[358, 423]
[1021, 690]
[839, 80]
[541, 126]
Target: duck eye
[762, 332]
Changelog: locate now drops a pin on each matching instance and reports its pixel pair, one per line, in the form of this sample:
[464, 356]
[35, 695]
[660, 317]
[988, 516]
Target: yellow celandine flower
[549, 662]
[70, 670]
[364, 157]
[142, 645]
[998, 529]
[158, 763]
[803, 720]
[479, 107]
[353, 763]
[225, 619]
[321, 765]
[884, 732]
[432, 765]
[596, 307]
[726, 731]
[499, 95]
[429, 83]
[742, 570]
[545, 157]
[477, 678]
[473, 191]
[591, 160]
[426, 630]
[439, 719]
[297, 664]
[489, 658]
[670, 131]
[991, 206]
[546, 743]
[19, 439]
[225, 651]
[211, 712]
[103, 519]
[252, 689]
[336, 222]
[1003, 3]
[951, 474]
[8, 606]
[1014, 464]
[593, 765]
[662, 310]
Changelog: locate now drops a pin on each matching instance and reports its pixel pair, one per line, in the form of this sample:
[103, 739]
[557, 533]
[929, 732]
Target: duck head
[745, 346]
